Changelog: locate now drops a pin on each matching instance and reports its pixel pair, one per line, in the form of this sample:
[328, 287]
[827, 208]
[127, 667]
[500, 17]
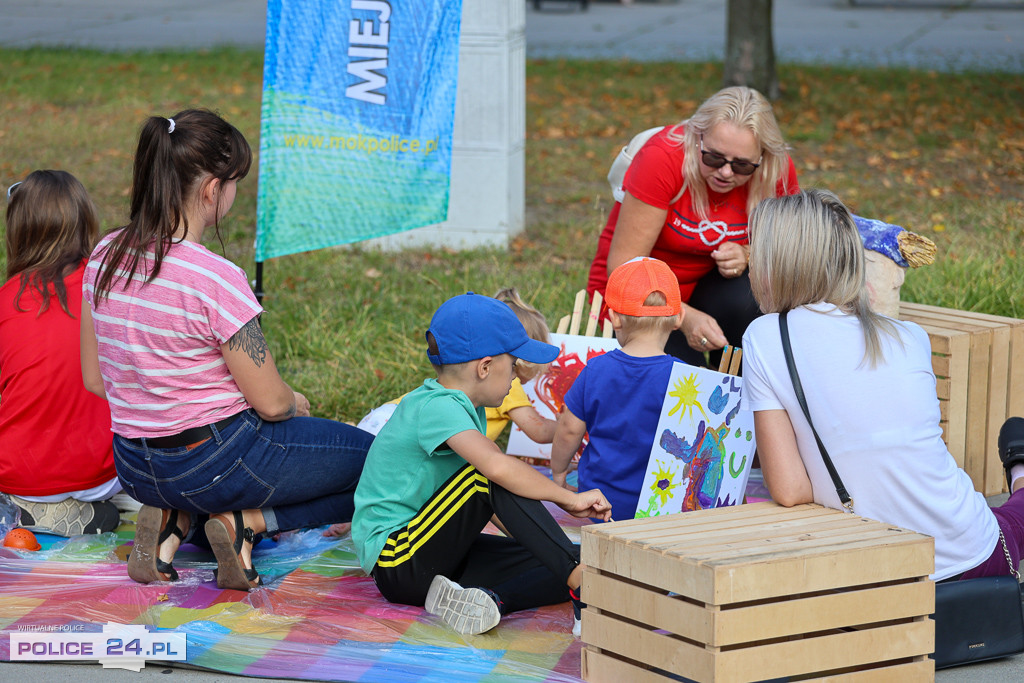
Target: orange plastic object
[21, 539]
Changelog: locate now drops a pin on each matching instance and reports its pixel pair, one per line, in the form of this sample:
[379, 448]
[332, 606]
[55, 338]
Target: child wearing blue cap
[433, 480]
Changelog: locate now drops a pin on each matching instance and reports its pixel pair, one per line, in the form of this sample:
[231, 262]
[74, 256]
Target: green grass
[941, 154]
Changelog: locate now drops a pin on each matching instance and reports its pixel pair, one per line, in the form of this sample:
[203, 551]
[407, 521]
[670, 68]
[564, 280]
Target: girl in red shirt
[56, 460]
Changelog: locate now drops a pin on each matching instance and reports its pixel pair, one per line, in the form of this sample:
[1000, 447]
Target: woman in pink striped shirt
[205, 428]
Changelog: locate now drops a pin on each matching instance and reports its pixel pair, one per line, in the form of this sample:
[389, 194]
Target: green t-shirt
[408, 462]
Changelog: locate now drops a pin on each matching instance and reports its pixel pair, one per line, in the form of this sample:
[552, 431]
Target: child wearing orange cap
[618, 396]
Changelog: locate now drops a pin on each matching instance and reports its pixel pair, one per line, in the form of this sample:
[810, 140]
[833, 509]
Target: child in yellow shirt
[517, 406]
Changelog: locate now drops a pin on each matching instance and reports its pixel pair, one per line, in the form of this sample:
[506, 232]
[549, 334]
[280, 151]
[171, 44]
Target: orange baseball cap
[631, 283]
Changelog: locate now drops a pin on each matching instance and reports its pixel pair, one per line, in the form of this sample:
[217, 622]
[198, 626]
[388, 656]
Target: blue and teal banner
[356, 133]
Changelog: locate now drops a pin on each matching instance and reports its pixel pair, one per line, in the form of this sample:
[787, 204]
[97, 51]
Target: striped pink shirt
[159, 342]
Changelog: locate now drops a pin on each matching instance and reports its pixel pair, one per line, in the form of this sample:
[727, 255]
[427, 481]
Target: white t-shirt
[880, 426]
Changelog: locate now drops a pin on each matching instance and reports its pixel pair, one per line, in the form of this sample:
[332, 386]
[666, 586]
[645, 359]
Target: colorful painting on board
[704, 448]
[547, 391]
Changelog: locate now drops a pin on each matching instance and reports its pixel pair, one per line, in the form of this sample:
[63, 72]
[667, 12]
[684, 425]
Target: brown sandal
[226, 543]
[152, 527]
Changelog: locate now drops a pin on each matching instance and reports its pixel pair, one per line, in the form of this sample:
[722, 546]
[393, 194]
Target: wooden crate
[756, 592]
[978, 361]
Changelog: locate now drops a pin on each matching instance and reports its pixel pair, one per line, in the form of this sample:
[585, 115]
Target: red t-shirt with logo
[686, 240]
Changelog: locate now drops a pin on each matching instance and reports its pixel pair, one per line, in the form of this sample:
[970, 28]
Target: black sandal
[153, 526]
[226, 543]
[1011, 446]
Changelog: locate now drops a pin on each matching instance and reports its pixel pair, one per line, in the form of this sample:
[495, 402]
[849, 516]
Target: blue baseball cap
[471, 326]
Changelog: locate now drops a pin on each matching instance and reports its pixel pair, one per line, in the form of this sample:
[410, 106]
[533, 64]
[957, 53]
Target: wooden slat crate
[978, 361]
[755, 592]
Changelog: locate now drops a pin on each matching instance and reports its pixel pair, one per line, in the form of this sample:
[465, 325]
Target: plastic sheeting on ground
[318, 617]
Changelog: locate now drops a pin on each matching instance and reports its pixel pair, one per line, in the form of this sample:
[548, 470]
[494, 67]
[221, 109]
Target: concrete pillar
[487, 197]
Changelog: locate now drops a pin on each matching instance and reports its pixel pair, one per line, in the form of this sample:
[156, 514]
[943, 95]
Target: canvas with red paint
[547, 390]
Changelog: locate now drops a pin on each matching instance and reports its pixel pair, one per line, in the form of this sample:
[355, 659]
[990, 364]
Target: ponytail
[172, 157]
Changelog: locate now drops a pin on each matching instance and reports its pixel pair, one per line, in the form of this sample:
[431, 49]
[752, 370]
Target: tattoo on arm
[250, 340]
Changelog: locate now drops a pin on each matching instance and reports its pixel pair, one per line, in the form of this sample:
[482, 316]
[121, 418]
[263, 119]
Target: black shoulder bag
[975, 619]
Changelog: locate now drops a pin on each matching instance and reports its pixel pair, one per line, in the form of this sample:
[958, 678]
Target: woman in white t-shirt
[204, 426]
[870, 389]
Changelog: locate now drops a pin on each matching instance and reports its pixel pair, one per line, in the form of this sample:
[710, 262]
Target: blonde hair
[804, 249]
[51, 228]
[535, 324]
[745, 108]
[642, 324]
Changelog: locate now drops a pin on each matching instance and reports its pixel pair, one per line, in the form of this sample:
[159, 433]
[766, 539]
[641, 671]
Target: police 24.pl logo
[115, 643]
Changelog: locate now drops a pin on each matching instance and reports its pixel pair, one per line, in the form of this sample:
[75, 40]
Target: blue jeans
[300, 472]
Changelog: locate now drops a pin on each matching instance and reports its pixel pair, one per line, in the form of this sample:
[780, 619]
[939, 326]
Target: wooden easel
[732, 358]
[570, 324]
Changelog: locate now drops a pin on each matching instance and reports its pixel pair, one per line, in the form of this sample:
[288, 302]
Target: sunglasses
[716, 160]
[11, 189]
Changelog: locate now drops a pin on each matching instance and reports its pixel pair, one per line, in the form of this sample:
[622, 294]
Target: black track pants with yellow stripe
[529, 569]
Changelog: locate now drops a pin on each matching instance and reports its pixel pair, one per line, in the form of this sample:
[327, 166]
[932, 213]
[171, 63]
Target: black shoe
[1011, 445]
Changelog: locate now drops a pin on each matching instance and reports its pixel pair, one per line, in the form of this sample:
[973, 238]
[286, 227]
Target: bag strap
[787, 349]
[844, 496]
[1009, 560]
[617, 173]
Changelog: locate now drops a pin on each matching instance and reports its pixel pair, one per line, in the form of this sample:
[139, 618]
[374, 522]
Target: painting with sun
[704, 447]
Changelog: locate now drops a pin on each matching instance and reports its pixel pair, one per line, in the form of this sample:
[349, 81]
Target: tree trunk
[749, 49]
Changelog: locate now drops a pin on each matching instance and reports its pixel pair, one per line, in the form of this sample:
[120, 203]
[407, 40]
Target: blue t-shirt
[619, 397]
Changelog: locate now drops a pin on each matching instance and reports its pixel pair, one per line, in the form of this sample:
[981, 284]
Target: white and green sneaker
[468, 611]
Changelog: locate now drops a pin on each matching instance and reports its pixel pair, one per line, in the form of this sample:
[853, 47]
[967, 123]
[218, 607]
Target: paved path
[913, 33]
[935, 34]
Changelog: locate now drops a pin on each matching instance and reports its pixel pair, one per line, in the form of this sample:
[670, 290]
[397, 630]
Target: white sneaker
[577, 611]
[468, 611]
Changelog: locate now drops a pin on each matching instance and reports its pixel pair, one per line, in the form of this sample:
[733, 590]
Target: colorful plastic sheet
[318, 617]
